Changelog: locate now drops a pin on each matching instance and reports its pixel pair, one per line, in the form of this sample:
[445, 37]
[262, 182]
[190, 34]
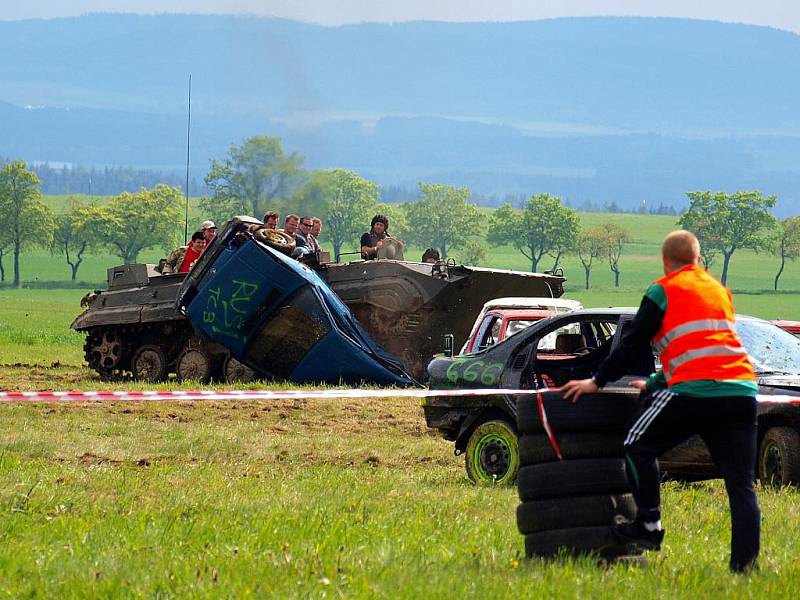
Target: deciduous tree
[590, 244]
[25, 220]
[131, 223]
[350, 200]
[75, 233]
[616, 237]
[442, 218]
[786, 243]
[544, 227]
[726, 222]
[474, 253]
[253, 176]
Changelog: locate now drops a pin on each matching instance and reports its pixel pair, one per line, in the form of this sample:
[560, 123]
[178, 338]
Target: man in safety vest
[707, 386]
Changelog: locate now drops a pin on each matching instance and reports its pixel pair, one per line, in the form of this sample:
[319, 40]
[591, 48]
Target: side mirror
[447, 344]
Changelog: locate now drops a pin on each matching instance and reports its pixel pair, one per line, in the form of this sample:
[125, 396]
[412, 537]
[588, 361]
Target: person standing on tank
[183, 258]
[374, 240]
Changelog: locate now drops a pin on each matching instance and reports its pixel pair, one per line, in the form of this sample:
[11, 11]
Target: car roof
[522, 313]
[532, 302]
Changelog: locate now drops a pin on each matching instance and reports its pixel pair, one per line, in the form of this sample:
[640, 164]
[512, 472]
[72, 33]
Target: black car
[571, 346]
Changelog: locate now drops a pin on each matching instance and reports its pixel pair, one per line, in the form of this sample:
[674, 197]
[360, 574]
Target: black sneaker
[634, 532]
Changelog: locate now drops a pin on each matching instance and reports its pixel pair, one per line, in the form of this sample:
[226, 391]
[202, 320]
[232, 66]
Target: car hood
[779, 384]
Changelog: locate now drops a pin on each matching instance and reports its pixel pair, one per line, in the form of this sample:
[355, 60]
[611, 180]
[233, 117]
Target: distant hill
[596, 109]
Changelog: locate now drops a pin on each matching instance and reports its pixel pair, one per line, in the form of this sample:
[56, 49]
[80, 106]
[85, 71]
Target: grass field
[333, 498]
[312, 499]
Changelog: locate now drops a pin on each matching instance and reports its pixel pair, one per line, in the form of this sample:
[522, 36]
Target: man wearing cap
[209, 230]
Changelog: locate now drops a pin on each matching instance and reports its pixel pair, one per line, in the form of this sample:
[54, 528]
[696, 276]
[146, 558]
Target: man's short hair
[269, 214]
[681, 247]
[208, 225]
[198, 235]
[291, 216]
[380, 219]
[316, 220]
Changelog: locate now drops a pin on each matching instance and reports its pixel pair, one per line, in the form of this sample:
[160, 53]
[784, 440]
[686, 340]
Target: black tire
[492, 454]
[779, 457]
[580, 477]
[149, 364]
[595, 412]
[536, 448]
[276, 238]
[575, 541]
[574, 511]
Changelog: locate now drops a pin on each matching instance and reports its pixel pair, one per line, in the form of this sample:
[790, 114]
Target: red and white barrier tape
[176, 395]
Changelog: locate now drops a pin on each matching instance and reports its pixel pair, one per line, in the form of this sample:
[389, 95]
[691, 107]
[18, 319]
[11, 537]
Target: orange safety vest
[696, 340]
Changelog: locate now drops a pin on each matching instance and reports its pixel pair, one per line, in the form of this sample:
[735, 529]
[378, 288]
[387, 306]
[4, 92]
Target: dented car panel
[571, 346]
[278, 317]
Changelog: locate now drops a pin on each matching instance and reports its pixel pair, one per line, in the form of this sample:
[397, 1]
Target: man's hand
[378, 244]
[639, 384]
[578, 387]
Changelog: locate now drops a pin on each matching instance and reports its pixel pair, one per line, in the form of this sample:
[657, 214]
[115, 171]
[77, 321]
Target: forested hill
[596, 109]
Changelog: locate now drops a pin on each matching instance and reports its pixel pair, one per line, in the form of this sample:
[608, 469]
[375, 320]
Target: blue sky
[782, 14]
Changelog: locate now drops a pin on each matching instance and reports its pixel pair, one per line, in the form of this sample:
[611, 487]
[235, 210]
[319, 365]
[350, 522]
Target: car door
[571, 348]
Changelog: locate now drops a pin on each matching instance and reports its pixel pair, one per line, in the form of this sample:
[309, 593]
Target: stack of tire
[570, 505]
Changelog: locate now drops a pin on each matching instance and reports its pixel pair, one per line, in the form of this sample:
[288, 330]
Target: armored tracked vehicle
[134, 327]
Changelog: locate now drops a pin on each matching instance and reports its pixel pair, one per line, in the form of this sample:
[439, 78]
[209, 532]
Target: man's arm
[367, 250]
[171, 264]
[636, 339]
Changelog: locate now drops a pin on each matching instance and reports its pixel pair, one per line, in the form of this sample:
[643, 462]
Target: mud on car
[571, 346]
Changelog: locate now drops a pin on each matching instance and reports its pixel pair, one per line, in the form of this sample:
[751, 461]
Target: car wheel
[536, 448]
[575, 541]
[779, 457]
[574, 511]
[578, 477]
[492, 455]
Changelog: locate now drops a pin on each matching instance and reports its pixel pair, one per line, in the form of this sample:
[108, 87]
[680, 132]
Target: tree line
[258, 175]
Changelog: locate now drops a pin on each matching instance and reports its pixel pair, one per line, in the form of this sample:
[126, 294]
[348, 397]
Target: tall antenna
[188, 131]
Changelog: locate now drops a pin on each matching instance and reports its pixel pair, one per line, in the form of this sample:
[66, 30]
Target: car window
[517, 325]
[489, 332]
[547, 344]
[288, 334]
[572, 350]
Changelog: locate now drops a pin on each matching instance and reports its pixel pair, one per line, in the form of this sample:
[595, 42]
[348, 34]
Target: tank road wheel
[194, 364]
[779, 457]
[104, 353]
[492, 454]
[236, 372]
[149, 364]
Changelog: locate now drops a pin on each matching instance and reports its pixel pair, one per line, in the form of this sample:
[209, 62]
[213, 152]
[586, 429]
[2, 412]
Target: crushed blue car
[278, 317]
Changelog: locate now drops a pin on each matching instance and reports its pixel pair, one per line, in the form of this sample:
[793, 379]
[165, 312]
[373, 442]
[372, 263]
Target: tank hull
[406, 307]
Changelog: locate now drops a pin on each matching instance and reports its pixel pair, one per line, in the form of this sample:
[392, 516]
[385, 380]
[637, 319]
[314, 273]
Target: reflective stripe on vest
[697, 340]
[702, 353]
[692, 327]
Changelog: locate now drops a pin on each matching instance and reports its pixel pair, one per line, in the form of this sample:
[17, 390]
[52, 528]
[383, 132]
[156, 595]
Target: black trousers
[728, 427]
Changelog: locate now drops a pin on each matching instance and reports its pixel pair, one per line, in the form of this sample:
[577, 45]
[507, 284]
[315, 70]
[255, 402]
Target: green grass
[311, 498]
[305, 498]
